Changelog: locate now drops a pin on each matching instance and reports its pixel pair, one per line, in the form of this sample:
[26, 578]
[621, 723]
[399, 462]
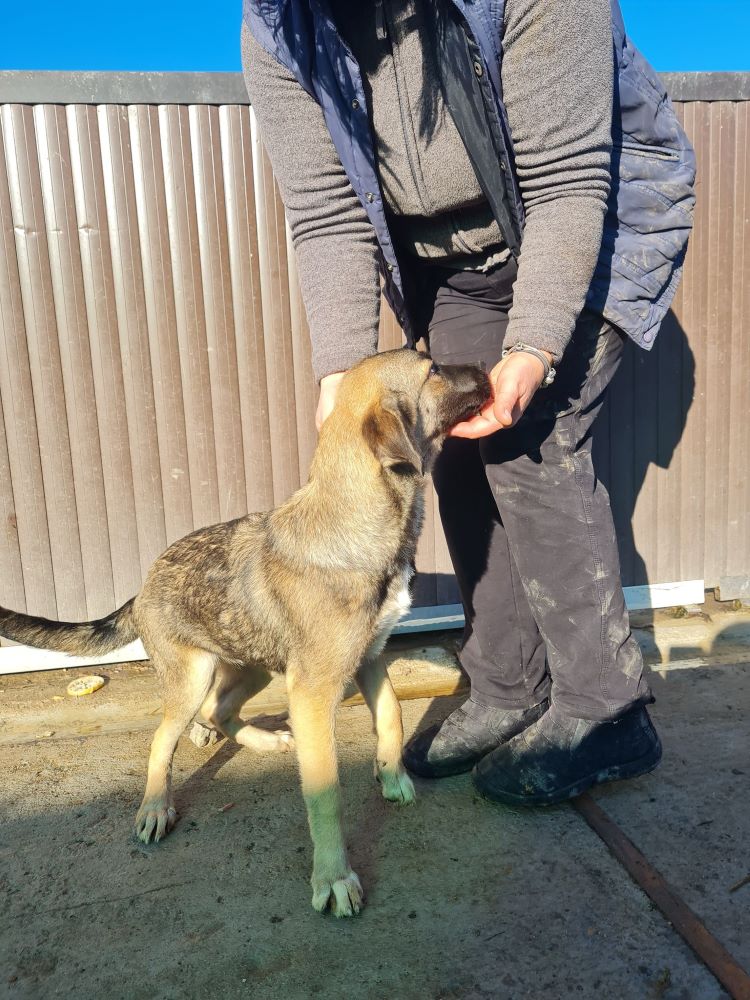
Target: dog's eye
[434, 370]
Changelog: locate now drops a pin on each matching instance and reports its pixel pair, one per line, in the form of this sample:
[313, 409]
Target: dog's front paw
[343, 894]
[154, 820]
[396, 784]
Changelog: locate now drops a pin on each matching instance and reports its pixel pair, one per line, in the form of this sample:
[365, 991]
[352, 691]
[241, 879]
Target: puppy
[312, 588]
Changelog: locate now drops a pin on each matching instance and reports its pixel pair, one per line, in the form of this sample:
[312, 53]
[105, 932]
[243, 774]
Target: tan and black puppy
[312, 588]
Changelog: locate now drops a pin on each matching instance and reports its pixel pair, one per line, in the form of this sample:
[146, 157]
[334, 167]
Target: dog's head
[407, 404]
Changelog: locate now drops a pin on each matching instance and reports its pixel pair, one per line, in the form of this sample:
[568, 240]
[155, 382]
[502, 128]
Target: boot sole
[618, 772]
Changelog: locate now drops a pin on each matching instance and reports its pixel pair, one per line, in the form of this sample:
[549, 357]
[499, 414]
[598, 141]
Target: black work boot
[559, 757]
[473, 730]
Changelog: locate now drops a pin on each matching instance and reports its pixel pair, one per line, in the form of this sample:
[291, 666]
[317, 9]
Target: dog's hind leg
[232, 688]
[377, 690]
[312, 704]
[187, 677]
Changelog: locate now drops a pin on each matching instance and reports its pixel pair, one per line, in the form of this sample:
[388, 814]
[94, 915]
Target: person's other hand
[515, 379]
[329, 386]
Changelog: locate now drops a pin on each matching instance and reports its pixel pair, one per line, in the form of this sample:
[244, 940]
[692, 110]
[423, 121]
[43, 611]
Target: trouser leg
[561, 534]
[553, 513]
[502, 651]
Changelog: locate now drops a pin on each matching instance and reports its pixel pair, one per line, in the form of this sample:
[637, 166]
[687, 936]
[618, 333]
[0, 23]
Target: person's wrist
[521, 361]
[536, 359]
[535, 365]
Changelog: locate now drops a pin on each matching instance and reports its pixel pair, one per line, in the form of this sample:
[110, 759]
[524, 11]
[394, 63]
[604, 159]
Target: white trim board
[665, 595]
[25, 659]
[651, 596]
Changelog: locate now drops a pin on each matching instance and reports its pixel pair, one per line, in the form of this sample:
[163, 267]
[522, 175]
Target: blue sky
[189, 35]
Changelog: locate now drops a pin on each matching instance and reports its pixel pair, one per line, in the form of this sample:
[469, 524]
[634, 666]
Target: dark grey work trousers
[528, 524]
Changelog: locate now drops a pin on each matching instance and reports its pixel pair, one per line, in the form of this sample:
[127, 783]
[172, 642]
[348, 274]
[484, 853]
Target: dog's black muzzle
[469, 389]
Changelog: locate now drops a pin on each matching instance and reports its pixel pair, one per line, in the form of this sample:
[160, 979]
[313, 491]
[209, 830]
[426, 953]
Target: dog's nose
[467, 379]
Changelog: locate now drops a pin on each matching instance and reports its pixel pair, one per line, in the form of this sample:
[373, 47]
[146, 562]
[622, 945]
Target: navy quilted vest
[650, 210]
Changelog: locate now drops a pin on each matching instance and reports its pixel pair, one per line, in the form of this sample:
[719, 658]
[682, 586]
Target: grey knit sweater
[557, 88]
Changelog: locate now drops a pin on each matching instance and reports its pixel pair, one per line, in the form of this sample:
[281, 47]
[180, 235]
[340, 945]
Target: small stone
[85, 685]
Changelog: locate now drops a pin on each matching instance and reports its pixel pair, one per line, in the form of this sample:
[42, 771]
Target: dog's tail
[84, 639]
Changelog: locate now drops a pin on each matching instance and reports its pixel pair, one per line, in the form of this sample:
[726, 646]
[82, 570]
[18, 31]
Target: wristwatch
[549, 371]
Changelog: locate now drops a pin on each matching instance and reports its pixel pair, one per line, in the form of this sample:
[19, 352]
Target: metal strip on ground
[711, 952]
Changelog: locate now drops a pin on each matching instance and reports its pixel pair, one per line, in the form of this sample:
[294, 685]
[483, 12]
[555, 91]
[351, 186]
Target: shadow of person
[641, 424]
[729, 645]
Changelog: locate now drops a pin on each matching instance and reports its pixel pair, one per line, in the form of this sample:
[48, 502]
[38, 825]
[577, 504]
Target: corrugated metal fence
[154, 363]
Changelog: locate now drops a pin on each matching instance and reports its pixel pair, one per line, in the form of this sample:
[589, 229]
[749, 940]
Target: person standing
[515, 175]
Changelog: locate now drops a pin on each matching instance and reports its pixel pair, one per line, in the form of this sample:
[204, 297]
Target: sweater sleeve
[333, 238]
[557, 86]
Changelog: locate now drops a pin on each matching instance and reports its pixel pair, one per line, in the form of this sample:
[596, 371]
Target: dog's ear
[389, 429]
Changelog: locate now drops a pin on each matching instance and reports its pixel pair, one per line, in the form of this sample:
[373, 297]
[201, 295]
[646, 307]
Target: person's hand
[515, 379]
[329, 386]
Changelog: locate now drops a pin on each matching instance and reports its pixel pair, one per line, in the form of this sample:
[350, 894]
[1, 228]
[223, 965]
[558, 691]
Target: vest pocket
[650, 152]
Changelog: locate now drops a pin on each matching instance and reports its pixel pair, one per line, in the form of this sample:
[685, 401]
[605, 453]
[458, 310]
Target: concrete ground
[465, 899]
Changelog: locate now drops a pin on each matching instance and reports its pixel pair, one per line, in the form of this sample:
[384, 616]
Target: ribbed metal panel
[674, 443]
[155, 365]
